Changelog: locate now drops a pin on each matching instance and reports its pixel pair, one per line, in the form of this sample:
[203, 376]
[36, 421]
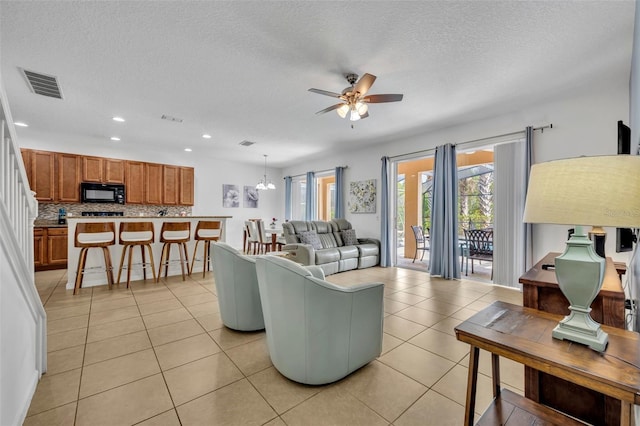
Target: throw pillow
[349, 237]
[310, 237]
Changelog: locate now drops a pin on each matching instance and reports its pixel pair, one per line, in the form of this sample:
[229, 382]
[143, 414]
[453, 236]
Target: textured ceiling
[241, 70]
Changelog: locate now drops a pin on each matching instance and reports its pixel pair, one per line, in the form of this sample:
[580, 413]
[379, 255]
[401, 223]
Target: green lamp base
[580, 272]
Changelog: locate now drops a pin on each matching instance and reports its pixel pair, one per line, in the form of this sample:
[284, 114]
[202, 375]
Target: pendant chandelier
[264, 183]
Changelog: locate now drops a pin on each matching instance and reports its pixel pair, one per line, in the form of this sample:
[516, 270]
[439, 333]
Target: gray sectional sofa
[331, 245]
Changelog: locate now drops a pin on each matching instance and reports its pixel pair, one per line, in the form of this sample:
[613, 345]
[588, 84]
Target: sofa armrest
[316, 271]
[301, 253]
[369, 241]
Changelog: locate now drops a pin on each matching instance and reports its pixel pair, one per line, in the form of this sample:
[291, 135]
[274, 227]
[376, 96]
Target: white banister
[23, 322]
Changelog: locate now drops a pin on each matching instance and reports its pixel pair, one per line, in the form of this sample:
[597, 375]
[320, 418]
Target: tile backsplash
[49, 211]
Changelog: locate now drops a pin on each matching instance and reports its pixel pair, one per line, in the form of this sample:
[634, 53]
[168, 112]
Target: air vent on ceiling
[170, 118]
[246, 143]
[43, 84]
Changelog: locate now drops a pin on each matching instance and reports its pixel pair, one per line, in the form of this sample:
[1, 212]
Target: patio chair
[422, 241]
[479, 246]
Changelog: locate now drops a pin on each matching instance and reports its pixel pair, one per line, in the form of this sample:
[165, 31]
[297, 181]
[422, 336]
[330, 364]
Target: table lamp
[584, 191]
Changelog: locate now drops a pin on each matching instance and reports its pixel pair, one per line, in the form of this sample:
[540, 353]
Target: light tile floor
[158, 354]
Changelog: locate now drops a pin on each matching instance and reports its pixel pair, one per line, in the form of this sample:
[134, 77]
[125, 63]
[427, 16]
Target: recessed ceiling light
[118, 119]
[188, 149]
[21, 124]
[115, 138]
[206, 136]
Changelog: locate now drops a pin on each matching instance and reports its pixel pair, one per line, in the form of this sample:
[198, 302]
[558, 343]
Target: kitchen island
[95, 258]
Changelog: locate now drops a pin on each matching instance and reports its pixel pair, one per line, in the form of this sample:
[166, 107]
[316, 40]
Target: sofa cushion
[311, 238]
[368, 250]
[348, 252]
[349, 237]
[327, 256]
[328, 240]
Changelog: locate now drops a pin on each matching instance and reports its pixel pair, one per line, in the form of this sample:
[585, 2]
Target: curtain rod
[541, 128]
[317, 171]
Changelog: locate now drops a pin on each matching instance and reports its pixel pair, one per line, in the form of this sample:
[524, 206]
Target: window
[325, 196]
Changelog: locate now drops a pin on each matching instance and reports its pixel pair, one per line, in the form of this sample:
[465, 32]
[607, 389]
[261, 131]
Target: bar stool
[130, 235]
[174, 233]
[206, 231]
[94, 235]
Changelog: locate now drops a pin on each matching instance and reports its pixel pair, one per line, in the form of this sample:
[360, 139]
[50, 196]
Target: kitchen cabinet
[39, 244]
[134, 178]
[186, 186]
[153, 191]
[42, 172]
[56, 177]
[50, 248]
[171, 176]
[102, 170]
[114, 170]
[68, 178]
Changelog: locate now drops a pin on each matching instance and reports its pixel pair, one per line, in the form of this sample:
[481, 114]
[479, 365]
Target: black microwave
[102, 193]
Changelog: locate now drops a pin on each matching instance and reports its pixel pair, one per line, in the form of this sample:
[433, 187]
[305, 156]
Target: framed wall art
[230, 195]
[362, 196]
[251, 197]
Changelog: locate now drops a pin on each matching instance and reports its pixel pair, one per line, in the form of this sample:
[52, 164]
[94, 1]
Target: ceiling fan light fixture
[270, 185]
[343, 110]
[362, 107]
[354, 115]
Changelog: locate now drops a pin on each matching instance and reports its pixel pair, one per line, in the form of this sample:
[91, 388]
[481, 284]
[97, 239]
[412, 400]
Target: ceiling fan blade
[331, 108]
[326, 93]
[377, 99]
[364, 84]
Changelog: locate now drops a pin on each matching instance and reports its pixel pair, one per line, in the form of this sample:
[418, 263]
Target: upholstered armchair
[237, 288]
[317, 332]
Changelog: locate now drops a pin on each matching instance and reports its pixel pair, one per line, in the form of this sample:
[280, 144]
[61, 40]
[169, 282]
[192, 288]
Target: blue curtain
[385, 219]
[444, 252]
[310, 198]
[339, 193]
[287, 197]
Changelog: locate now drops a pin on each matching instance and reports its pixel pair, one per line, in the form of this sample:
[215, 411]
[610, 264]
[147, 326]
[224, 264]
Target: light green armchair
[237, 288]
[317, 332]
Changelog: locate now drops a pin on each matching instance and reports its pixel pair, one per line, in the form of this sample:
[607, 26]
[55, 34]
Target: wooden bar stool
[206, 231]
[130, 235]
[174, 233]
[94, 235]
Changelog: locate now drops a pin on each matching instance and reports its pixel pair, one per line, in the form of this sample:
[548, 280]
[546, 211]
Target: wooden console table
[540, 291]
[524, 335]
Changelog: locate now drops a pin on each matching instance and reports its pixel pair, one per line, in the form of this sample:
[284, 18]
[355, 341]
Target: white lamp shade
[362, 108]
[354, 115]
[602, 191]
[343, 110]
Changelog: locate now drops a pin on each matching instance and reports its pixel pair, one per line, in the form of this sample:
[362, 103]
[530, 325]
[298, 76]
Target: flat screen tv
[624, 138]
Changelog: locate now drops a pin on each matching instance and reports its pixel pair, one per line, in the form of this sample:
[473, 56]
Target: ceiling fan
[355, 99]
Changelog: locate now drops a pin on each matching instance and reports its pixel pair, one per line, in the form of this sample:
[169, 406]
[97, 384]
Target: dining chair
[479, 246]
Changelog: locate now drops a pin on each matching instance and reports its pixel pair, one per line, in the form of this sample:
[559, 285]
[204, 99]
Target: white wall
[584, 124]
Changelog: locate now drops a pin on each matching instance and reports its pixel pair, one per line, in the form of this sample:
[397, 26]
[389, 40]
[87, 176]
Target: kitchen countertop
[48, 224]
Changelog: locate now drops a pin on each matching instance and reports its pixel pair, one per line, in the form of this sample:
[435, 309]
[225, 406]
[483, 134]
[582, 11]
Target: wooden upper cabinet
[134, 181]
[153, 183]
[42, 175]
[171, 184]
[26, 160]
[186, 186]
[68, 177]
[102, 170]
[113, 170]
[92, 169]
